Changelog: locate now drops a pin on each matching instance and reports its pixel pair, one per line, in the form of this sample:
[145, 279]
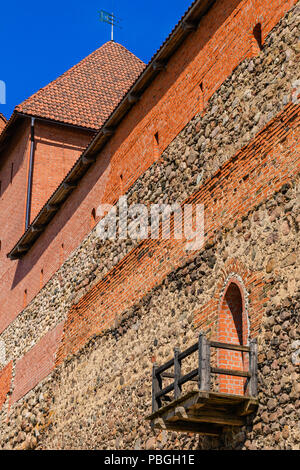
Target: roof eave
[7, 131]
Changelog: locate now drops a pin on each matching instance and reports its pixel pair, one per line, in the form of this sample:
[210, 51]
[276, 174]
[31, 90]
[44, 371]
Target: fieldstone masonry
[105, 392]
[254, 88]
[99, 397]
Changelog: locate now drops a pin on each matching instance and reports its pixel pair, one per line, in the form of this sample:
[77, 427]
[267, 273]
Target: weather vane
[111, 19]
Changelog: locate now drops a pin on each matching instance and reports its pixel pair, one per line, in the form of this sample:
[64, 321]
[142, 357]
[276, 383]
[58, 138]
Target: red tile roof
[87, 94]
[3, 122]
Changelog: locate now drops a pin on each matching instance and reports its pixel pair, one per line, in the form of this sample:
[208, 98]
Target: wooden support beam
[156, 388]
[247, 408]
[37, 228]
[166, 398]
[189, 26]
[189, 351]
[188, 377]
[165, 390]
[177, 374]
[166, 375]
[231, 347]
[253, 389]
[51, 208]
[165, 366]
[204, 413]
[158, 66]
[159, 423]
[204, 363]
[215, 416]
[235, 373]
[88, 160]
[108, 131]
[13, 257]
[180, 412]
[132, 98]
[69, 185]
[209, 408]
[23, 248]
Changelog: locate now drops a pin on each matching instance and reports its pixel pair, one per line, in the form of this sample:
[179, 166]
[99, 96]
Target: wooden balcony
[202, 411]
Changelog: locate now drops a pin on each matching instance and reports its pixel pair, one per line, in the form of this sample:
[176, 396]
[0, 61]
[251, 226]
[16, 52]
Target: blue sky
[41, 40]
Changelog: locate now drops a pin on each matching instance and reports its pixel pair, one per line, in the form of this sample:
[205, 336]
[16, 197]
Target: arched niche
[233, 328]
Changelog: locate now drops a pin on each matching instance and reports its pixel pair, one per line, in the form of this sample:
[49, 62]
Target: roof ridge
[123, 47]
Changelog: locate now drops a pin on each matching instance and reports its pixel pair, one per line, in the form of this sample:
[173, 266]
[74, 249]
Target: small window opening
[121, 184]
[201, 96]
[156, 145]
[93, 218]
[25, 298]
[257, 33]
[61, 254]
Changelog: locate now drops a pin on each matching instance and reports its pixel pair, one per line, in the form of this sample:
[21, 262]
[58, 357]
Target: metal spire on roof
[111, 19]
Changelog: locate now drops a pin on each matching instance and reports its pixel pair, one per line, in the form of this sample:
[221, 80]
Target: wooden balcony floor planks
[204, 413]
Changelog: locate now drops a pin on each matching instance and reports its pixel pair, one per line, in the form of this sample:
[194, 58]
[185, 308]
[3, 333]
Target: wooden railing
[202, 374]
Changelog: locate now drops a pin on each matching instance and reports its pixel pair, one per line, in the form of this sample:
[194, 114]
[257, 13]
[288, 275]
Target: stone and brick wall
[115, 307]
[92, 401]
[192, 76]
[36, 364]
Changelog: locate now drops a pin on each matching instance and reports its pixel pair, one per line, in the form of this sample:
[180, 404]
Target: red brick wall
[208, 56]
[36, 364]
[5, 382]
[56, 150]
[13, 177]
